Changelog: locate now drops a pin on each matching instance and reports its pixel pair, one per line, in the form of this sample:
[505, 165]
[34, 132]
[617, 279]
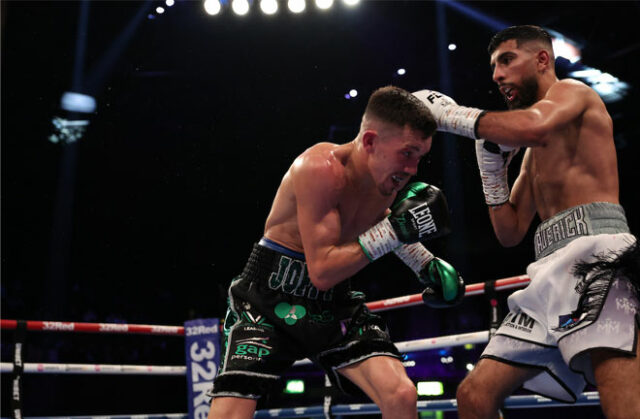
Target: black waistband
[285, 272]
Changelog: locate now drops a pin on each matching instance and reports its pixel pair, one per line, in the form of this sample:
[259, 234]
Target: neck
[545, 82]
[356, 165]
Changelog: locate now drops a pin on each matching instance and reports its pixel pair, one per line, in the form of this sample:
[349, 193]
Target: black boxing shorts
[276, 317]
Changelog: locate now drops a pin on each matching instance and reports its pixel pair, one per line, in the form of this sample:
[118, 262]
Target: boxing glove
[450, 116]
[444, 286]
[420, 212]
[493, 162]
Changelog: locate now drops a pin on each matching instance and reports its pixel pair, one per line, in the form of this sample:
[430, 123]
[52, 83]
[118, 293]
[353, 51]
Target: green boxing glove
[444, 285]
[419, 213]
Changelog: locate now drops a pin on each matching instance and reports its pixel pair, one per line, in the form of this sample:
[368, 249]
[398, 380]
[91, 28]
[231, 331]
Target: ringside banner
[202, 347]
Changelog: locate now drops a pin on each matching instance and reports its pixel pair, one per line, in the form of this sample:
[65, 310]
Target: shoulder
[319, 166]
[571, 87]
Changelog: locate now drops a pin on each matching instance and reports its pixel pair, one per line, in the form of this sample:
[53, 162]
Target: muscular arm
[317, 187]
[565, 100]
[512, 219]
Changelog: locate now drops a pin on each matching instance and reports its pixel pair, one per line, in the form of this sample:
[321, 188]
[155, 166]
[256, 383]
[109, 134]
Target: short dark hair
[399, 107]
[521, 34]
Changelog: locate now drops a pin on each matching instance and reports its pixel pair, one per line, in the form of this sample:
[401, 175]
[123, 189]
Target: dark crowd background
[150, 215]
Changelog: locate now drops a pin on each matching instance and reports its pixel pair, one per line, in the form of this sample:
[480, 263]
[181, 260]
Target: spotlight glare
[430, 388]
[402, 71]
[296, 6]
[240, 7]
[212, 7]
[170, 3]
[269, 7]
[324, 4]
[351, 2]
[452, 47]
[294, 387]
[159, 10]
[353, 93]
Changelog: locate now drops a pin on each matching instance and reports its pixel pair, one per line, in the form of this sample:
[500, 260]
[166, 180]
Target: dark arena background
[143, 209]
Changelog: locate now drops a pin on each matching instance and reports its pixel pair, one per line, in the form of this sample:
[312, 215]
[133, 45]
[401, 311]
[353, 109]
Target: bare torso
[359, 206]
[578, 165]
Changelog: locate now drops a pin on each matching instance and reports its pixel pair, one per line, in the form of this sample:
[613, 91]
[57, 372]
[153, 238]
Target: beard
[527, 94]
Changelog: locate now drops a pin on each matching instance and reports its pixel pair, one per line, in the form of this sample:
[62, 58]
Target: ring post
[202, 348]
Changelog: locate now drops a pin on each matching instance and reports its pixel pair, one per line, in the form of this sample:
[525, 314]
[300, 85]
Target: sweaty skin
[333, 193]
[571, 159]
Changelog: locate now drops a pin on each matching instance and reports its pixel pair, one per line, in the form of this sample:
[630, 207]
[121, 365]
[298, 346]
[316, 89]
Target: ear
[369, 140]
[543, 59]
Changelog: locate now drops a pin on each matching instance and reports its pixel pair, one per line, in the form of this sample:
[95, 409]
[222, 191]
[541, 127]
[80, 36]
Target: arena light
[610, 88]
[212, 7]
[401, 71]
[170, 3]
[353, 93]
[351, 2]
[77, 102]
[324, 4]
[240, 7]
[159, 10]
[452, 47]
[269, 7]
[470, 367]
[296, 6]
[430, 388]
[294, 387]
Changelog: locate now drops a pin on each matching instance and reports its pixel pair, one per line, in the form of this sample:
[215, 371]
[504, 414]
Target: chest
[358, 212]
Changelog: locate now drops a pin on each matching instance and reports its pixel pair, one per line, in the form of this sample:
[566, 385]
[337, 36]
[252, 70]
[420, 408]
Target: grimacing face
[397, 159]
[514, 71]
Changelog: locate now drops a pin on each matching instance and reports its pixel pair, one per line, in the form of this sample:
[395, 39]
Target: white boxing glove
[450, 116]
[493, 162]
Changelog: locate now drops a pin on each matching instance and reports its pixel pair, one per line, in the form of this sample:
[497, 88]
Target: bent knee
[403, 395]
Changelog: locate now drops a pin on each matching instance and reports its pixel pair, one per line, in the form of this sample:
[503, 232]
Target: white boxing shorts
[582, 296]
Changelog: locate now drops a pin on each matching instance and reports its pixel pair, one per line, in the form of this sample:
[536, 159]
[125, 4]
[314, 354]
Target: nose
[498, 74]
[411, 169]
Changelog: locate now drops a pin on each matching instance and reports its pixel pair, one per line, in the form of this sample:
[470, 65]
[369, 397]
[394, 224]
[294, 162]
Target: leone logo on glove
[424, 220]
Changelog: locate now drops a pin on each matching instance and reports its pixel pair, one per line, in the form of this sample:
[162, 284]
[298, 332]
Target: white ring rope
[407, 346]
[109, 369]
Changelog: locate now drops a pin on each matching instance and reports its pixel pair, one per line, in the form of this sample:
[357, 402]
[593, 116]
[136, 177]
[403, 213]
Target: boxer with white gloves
[586, 274]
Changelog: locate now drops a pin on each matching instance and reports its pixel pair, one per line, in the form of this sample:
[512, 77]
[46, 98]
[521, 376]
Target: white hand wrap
[450, 116]
[379, 240]
[415, 256]
[493, 167]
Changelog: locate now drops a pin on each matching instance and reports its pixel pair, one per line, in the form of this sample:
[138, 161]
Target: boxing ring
[322, 410]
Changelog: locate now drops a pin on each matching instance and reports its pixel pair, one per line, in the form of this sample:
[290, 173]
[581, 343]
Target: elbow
[320, 278]
[322, 284]
[508, 240]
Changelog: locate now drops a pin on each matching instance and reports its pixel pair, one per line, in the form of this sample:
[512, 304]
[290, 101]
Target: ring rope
[50, 368]
[112, 369]
[123, 328]
[470, 290]
[513, 402]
